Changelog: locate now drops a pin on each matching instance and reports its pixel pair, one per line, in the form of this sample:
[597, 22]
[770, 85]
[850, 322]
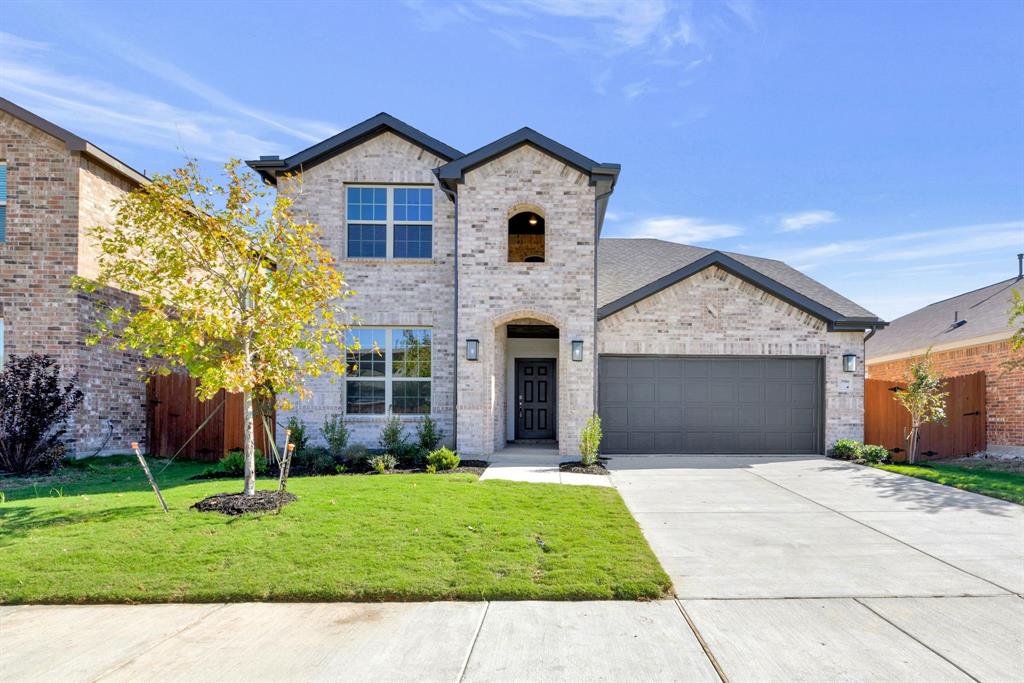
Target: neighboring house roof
[975, 317]
[271, 166]
[73, 142]
[629, 270]
[455, 171]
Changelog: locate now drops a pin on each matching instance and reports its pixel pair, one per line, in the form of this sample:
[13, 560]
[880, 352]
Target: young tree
[230, 288]
[1016, 361]
[924, 399]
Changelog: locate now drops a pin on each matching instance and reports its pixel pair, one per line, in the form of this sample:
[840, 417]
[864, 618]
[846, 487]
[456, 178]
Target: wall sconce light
[850, 362]
[472, 349]
[577, 349]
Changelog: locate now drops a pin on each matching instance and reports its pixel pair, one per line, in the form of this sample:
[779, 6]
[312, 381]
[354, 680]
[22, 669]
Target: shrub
[846, 449]
[428, 435]
[34, 410]
[443, 459]
[392, 435]
[298, 433]
[336, 435]
[234, 463]
[874, 454]
[383, 463]
[314, 461]
[411, 455]
[356, 454]
[590, 441]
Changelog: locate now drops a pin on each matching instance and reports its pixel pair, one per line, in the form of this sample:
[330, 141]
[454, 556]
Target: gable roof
[630, 270]
[72, 142]
[984, 314]
[455, 171]
[271, 166]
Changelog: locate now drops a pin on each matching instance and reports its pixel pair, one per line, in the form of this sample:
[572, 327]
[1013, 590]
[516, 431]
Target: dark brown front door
[535, 398]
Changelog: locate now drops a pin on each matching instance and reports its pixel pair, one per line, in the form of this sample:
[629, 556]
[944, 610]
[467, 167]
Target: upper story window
[390, 222]
[3, 201]
[526, 237]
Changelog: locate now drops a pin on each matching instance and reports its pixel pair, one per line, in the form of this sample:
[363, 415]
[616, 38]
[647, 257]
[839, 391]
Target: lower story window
[391, 368]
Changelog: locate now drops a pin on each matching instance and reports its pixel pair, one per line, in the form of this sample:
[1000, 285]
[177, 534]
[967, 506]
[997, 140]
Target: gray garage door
[699, 404]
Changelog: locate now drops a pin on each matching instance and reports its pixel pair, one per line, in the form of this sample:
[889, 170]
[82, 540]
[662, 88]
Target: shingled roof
[632, 269]
[964, 320]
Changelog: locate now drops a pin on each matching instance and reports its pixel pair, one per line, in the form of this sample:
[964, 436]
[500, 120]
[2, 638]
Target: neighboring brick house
[498, 309]
[54, 185]
[966, 334]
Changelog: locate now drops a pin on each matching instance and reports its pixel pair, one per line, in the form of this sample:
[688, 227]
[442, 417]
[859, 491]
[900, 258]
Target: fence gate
[174, 413]
[886, 422]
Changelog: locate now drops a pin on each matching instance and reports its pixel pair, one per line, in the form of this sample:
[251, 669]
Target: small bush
[314, 461]
[298, 433]
[356, 454]
[234, 463]
[590, 441]
[874, 454]
[411, 455]
[442, 459]
[847, 449]
[382, 463]
[336, 434]
[392, 435]
[34, 411]
[428, 435]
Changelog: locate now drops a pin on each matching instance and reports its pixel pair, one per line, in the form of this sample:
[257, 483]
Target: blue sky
[877, 146]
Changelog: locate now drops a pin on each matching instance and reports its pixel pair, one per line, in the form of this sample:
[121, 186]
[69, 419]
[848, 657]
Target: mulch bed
[476, 467]
[238, 503]
[578, 467]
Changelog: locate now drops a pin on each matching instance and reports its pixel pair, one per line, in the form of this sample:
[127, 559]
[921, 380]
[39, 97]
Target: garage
[711, 404]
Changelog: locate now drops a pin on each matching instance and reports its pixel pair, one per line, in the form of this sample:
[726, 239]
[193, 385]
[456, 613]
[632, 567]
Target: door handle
[520, 405]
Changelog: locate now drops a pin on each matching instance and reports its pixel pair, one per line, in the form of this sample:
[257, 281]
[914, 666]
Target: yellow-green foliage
[590, 440]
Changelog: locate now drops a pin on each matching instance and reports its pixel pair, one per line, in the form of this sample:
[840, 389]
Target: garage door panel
[678, 404]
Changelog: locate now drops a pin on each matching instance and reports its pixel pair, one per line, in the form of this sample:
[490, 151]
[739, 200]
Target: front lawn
[101, 537]
[979, 476]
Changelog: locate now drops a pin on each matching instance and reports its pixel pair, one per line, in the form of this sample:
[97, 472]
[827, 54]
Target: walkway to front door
[536, 413]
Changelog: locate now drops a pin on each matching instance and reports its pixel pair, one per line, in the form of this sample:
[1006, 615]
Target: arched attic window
[526, 237]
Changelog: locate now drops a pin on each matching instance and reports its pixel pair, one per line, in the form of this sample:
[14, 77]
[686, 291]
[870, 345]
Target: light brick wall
[1004, 389]
[715, 313]
[391, 293]
[53, 195]
[494, 292]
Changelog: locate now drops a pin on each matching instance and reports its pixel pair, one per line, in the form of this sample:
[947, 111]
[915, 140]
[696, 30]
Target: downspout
[598, 198]
[454, 196]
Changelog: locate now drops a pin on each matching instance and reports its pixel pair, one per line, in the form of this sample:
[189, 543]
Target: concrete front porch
[536, 464]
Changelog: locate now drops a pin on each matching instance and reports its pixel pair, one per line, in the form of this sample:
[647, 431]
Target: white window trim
[389, 377]
[389, 221]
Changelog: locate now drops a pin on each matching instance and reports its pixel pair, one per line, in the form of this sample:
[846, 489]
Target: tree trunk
[250, 445]
[912, 447]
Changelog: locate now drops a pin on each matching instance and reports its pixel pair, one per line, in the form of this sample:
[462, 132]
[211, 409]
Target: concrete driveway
[813, 569]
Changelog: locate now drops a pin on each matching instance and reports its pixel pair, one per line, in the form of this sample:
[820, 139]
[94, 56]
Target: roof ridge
[970, 291]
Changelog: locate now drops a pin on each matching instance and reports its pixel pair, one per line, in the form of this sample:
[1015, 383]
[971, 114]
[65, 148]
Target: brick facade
[53, 194]
[715, 313]
[1004, 389]
[389, 293]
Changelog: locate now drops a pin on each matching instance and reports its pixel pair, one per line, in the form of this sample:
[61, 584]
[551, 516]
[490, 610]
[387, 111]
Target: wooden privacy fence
[886, 421]
[174, 413]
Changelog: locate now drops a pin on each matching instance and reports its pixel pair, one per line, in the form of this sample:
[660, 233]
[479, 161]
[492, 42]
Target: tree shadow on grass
[18, 521]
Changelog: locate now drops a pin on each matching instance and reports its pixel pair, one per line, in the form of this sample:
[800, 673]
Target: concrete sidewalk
[443, 641]
[537, 465]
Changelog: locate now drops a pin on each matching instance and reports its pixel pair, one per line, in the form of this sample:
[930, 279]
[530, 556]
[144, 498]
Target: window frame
[389, 220]
[389, 377]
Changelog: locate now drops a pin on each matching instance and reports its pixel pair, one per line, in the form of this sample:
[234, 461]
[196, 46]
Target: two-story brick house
[54, 185]
[497, 308]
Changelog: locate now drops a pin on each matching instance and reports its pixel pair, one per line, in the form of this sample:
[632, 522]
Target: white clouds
[631, 24]
[683, 229]
[806, 219]
[632, 91]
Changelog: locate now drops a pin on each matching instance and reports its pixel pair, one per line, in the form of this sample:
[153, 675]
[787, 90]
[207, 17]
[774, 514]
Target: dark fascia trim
[454, 172]
[271, 167]
[72, 142]
[836, 321]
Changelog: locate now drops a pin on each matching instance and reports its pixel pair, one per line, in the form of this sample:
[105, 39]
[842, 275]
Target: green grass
[101, 537]
[982, 478]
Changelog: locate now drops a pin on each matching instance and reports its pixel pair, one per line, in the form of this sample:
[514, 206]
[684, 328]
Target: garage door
[710, 404]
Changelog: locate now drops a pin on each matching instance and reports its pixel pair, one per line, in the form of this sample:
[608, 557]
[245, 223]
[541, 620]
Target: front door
[535, 398]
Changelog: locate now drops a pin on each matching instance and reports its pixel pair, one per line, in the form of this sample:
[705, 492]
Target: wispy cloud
[805, 219]
[683, 229]
[631, 91]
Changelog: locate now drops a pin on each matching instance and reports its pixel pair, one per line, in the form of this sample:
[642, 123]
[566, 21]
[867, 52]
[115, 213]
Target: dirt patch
[989, 463]
[578, 467]
[239, 504]
[476, 467]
